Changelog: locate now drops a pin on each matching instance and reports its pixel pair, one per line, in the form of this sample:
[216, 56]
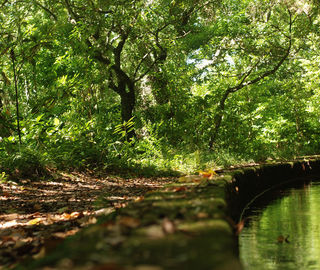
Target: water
[294, 212]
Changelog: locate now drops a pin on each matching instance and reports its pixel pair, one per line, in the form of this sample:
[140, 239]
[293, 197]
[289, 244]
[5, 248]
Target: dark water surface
[294, 212]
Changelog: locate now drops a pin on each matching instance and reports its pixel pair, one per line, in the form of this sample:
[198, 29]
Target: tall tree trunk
[127, 106]
[126, 90]
[218, 118]
[128, 101]
[13, 58]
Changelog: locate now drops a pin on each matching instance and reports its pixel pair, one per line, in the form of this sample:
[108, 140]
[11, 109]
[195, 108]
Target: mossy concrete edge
[191, 224]
[247, 183]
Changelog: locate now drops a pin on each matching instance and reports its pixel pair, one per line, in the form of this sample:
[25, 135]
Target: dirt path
[35, 216]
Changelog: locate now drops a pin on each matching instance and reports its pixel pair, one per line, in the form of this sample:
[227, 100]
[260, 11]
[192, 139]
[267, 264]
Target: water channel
[282, 230]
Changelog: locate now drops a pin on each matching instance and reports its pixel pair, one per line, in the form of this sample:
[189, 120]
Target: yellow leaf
[139, 199]
[202, 215]
[66, 216]
[56, 122]
[75, 214]
[208, 173]
[190, 178]
[34, 221]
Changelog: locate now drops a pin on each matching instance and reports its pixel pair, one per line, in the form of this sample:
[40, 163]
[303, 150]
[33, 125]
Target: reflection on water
[297, 214]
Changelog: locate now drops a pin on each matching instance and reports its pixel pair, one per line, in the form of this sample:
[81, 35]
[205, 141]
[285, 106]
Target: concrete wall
[247, 183]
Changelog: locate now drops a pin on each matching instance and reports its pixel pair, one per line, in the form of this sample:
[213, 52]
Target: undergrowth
[64, 148]
[134, 159]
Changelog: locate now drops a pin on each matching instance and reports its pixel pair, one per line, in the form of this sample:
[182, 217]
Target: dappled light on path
[37, 215]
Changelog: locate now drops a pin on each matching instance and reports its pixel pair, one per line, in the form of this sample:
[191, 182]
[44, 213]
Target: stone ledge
[185, 225]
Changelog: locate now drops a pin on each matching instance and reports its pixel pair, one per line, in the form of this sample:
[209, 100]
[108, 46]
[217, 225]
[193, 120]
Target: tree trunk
[127, 107]
[128, 102]
[218, 118]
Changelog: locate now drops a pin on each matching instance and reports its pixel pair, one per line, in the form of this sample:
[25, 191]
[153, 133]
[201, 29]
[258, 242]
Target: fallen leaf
[190, 178]
[10, 217]
[113, 241]
[179, 189]
[19, 243]
[50, 218]
[104, 211]
[154, 231]
[8, 224]
[76, 214]
[37, 207]
[239, 227]
[65, 263]
[40, 254]
[121, 205]
[139, 199]
[6, 194]
[208, 173]
[109, 225]
[283, 239]
[36, 214]
[66, 233]
[65, 216]
[5, 239]
[168, 226]
[129, 222]
[202, 215]
[34, 221]
[86, 220]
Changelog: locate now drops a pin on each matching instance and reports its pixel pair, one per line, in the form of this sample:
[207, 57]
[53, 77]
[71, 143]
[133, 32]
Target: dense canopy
[166, 84]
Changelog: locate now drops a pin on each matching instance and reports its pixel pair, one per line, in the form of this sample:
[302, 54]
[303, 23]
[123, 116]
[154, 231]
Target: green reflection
[297, 215]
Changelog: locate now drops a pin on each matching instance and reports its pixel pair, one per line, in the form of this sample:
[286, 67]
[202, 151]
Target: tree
[254, 46]
[131, 39]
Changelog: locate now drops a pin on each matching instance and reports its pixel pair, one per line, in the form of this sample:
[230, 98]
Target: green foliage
[124, 129]
[3, 177]
[149, 87]
[23, 162]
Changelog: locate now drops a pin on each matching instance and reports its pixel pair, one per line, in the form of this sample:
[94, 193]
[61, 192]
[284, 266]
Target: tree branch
[159, 58]
[285, 56]
[47, 10]
[242, 84]
[118, 50]
[70, 11]
[3, 4]
[140, 63]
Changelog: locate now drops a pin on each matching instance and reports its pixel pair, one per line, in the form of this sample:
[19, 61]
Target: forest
[104, 104]
[156, 86]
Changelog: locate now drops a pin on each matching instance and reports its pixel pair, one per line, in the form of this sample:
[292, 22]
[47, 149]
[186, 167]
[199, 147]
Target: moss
[249, 170]
[237, 173]
[200, 237]
[291, 163]
[226, 178]
[207, 225]
[218, 181]
[177, 184]
[196, 245]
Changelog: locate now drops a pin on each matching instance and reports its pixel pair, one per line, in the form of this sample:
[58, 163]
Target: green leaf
[38, 119]
[56, 122]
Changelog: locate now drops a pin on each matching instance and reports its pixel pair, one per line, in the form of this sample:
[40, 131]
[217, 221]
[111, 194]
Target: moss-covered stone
[185, 225]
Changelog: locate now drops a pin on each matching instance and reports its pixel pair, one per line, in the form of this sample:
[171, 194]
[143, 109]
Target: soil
[36, 215]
